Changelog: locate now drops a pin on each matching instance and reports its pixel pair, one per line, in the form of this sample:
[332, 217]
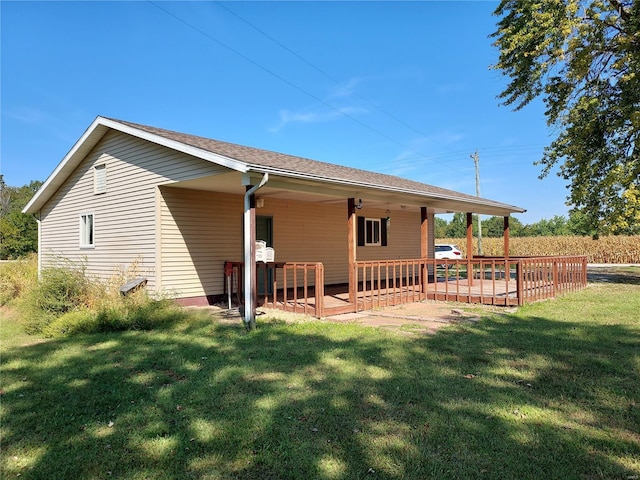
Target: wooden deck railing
[548, 277]
[291, 286]
[300, 288]
[487, 280]
[383, 283]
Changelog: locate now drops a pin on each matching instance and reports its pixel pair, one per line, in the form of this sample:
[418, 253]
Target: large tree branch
[620, 8]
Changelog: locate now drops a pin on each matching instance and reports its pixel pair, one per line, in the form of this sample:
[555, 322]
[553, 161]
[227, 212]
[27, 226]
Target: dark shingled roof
[257, 158]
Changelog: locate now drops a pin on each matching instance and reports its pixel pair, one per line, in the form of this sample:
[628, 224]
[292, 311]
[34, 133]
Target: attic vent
[100, 178]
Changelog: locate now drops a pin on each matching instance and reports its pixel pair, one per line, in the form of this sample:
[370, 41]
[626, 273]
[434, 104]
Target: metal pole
[250, 257]
[476, 159]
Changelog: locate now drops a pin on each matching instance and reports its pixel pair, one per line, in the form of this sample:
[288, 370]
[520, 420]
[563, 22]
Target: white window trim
[100, 178]
[379, 223]
[83, 232]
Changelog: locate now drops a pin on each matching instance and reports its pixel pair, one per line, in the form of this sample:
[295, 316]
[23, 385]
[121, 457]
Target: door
[264, 232]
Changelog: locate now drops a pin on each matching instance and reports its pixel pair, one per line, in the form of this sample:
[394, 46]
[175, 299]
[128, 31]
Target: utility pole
[476, 159]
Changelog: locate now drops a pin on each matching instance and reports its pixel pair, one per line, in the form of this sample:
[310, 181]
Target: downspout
[37, 217]
[249, 257]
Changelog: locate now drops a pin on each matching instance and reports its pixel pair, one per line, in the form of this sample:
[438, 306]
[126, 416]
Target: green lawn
[551, 392]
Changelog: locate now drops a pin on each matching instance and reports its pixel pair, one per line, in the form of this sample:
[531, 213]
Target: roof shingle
[256, 158]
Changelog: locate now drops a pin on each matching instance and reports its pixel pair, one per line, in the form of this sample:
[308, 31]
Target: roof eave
[481, 205]
[90, 138]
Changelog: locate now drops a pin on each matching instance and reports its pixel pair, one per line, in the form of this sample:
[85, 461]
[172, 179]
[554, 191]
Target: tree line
[493, 227]
[19, 232]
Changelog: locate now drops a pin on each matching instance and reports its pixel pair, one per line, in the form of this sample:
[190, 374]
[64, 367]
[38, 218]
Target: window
[86, 230]
[100, 178]
[372, 232]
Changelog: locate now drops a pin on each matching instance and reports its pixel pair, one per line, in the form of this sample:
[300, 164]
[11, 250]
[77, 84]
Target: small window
[86, 230]
[100, 178]
[371, 231]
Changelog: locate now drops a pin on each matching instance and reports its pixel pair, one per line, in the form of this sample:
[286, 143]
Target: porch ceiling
[303, 190]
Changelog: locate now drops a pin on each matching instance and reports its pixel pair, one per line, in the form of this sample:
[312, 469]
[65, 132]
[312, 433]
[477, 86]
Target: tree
[18, 232]
[440, 227]
[583, 58]
[554, 227]
[457, 227]
[578, 226]
[493, 227]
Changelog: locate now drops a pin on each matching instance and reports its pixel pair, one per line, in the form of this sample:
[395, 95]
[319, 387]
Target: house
[181, 206]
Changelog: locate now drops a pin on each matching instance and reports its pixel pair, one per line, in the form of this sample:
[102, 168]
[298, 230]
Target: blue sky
[402, 88]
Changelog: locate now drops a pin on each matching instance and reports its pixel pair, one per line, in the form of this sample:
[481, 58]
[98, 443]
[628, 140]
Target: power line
[325, 74]
[293, 85]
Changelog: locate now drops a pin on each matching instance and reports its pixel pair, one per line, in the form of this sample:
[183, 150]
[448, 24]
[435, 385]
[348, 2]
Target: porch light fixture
[359, 204]
[388, 212]
[259, 202]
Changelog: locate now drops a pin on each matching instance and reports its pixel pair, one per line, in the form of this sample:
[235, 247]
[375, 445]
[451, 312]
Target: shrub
[61, 289]
[17, 277]
[142, 314]
[154, 313]
[71, 323]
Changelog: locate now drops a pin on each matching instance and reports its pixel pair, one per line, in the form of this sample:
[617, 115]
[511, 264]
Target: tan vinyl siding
[201, 230]
[311, 232]
[125, 215]
[403, 236]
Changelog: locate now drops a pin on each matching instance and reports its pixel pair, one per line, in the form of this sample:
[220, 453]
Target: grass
[552, 391]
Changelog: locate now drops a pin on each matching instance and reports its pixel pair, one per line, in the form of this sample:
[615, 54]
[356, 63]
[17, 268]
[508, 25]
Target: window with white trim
[86, 230]
[100, 178]
[372, 231]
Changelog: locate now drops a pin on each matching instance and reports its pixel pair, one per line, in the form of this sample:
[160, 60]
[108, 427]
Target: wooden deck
[491, 281]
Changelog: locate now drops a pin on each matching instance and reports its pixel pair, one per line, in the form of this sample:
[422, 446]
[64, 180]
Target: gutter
[403, 191]
[250, 257]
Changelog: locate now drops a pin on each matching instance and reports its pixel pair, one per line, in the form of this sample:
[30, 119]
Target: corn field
[611, 249]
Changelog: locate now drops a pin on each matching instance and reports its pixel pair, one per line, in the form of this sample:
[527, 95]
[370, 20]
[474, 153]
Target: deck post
[519, 283]
[469, 248]
[505, 236]
[319, 290]
[424, 246]
[351, 241]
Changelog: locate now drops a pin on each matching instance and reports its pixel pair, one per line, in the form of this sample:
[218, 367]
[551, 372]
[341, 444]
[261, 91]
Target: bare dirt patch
[425, 317]
[421, 318]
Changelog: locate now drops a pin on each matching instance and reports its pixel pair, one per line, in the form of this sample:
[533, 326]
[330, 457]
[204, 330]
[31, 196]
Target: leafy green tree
[577, 224]
[583, 58]
[457, 227]
[554, 227]
[18, 232]
[494, 227]
[440, 227]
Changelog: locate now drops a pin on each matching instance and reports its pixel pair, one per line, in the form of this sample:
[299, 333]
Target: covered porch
[300, 287]
[339, 247]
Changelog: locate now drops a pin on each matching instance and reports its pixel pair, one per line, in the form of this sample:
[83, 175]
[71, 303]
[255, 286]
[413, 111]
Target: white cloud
[30, 115]
[288, 117]
[345, 89]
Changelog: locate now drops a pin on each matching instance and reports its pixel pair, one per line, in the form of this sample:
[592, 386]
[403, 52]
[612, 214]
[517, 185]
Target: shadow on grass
[508, 398]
